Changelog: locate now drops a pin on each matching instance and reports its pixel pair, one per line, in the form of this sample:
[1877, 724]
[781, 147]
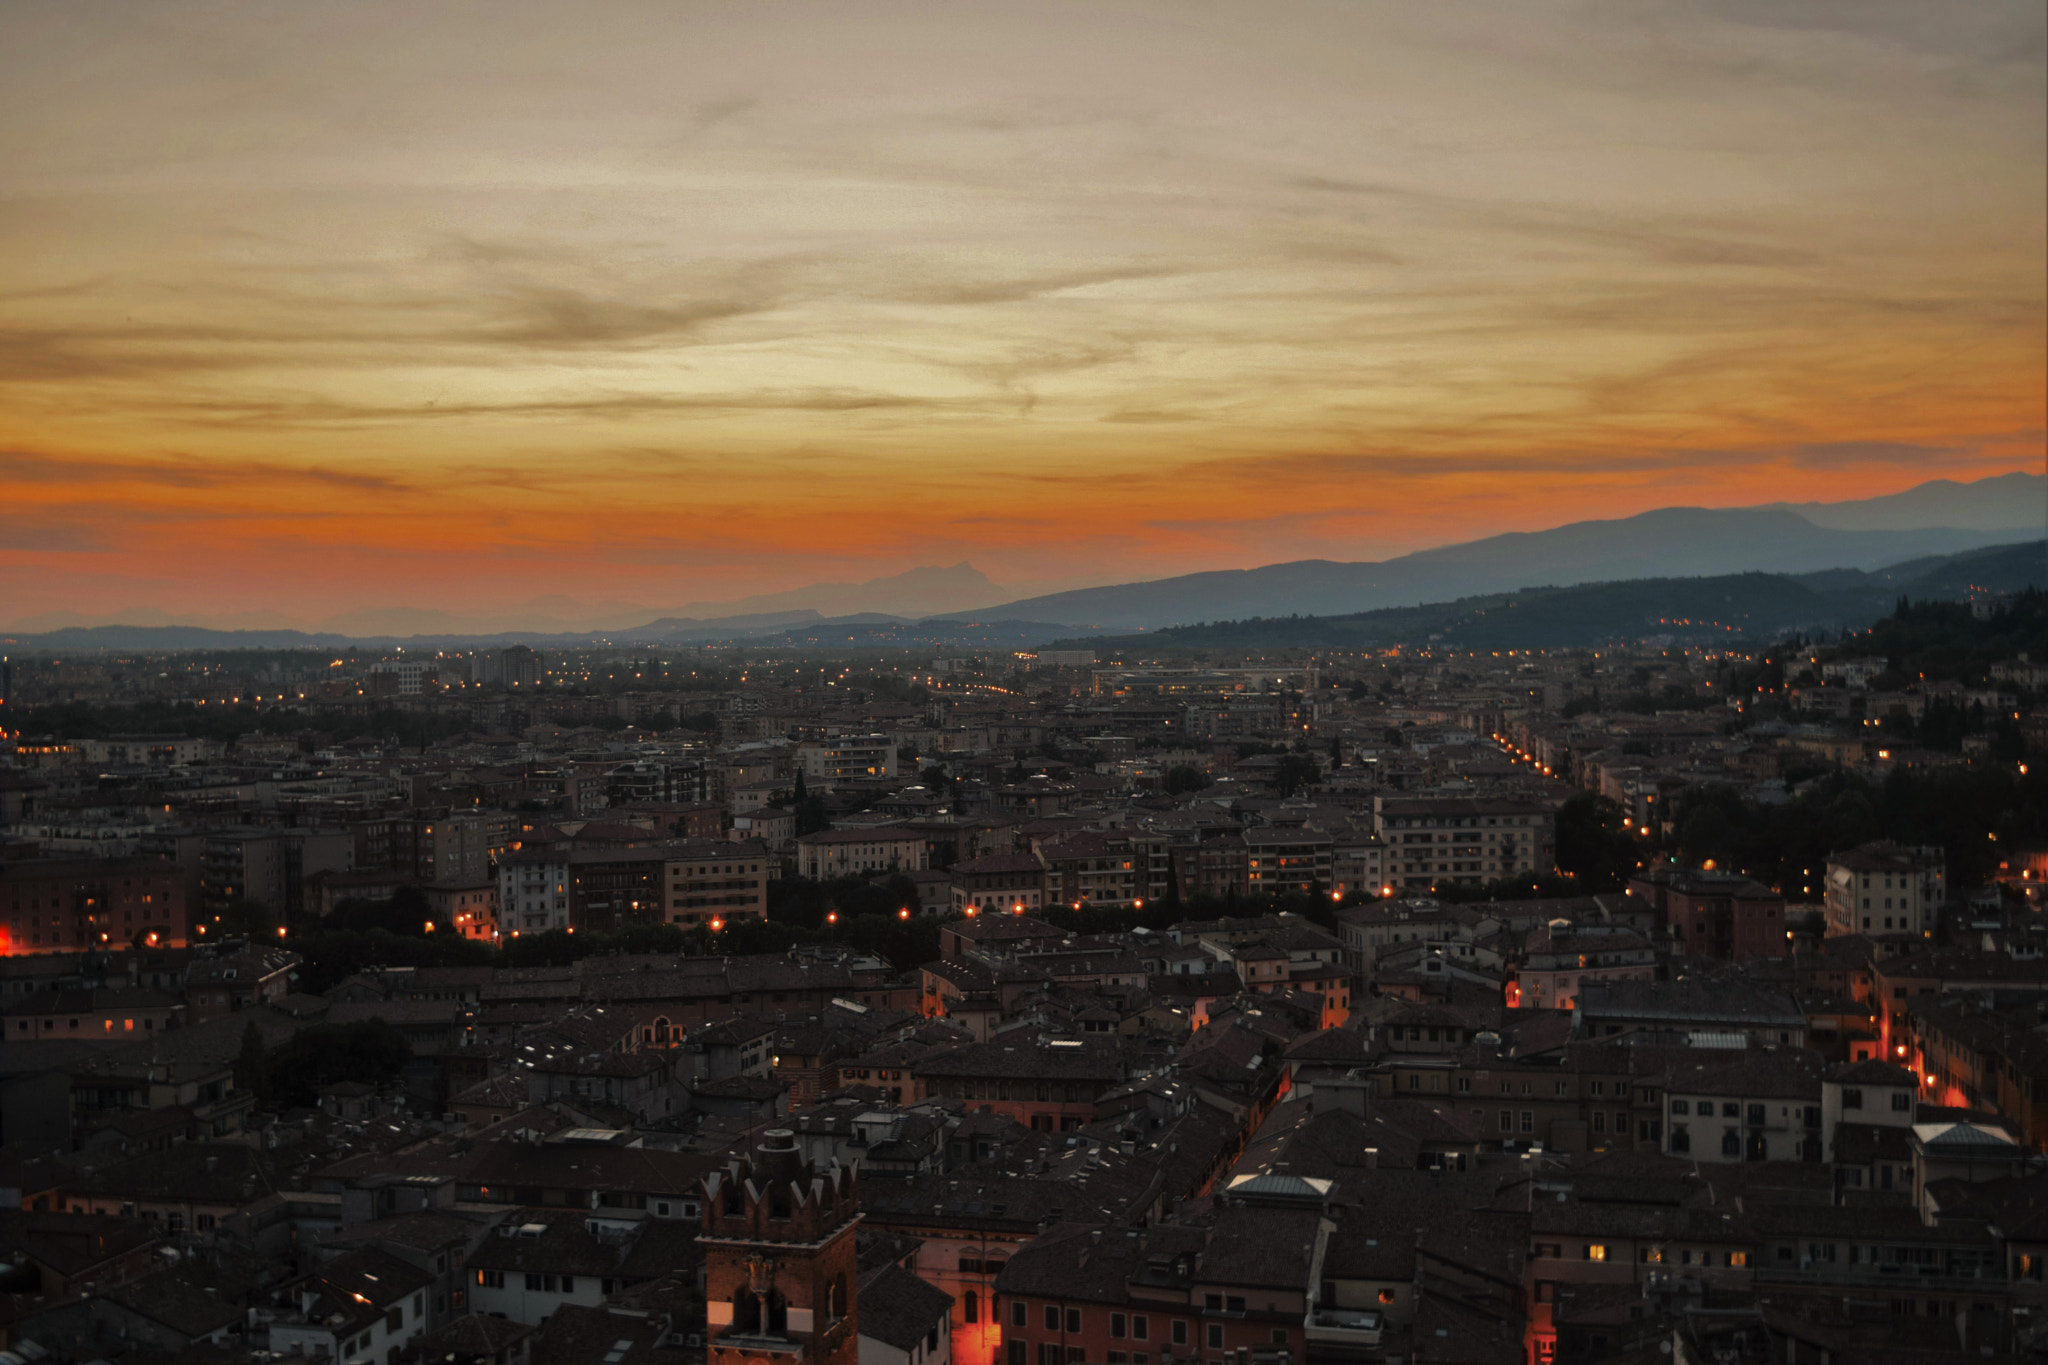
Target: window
[1180, 1332]
[1279, 1336]
[490, 1279]
[1730, 1109]
[1681, 1141]
[1596, 1251]
[1216, 1336]
[1018, 1310]
[1507, 1120]
[1599, 1121]
[1679, 1108]
[533, 1283]
[1020, 1352]
[1118, 1325]
[568, 1284]
[1141, 1327]
[1738, 1258]
[1052, 1318]
[1731, 1143]
[1528, 1120]
[1049, 1353]
[1902, 1101]
[1073, 1322]
[970, 1307]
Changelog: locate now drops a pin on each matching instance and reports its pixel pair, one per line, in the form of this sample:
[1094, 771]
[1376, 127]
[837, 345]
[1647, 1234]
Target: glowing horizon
[311, 309]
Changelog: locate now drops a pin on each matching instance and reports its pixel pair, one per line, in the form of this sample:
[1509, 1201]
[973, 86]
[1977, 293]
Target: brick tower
[779, 1265]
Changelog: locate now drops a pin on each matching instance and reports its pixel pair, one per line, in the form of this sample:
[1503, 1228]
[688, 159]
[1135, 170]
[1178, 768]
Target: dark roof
[198, 1172]
[878, 834]
[1023, 1059]
[547, 1240]
[70, 1243]
[178, 1297]
[358, 1286]
[1873, 1071]
[575, 1335]
[898, 1309]
[471, 1334]
[1259, 1247]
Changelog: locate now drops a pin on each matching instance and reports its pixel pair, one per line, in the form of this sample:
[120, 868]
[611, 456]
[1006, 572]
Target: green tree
[1182, 778]
[367, 1050]
[1294, 772]
[1593, 845]
[249, 917]
[811, 817]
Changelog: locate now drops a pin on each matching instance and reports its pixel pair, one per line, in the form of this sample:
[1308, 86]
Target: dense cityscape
[1100, 682]
[1030, 1007]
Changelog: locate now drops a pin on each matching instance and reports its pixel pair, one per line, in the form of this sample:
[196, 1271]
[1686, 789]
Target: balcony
[1343, 1327]
[752, 1344]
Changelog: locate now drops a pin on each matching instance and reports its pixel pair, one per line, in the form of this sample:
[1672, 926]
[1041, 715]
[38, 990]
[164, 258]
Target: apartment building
[1046, 1083]
[1000, 883]
[1886, 888]
[833, 853]
[1235, 1287]
[59, 905]
[1279, 861]
[1463, 839]
[1561, 960]
[688, 882]
[845, 757]
[1714, 914]
[245, 864]
[1762, 1104]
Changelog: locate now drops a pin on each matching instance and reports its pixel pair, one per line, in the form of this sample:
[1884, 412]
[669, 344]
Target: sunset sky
[307, 307]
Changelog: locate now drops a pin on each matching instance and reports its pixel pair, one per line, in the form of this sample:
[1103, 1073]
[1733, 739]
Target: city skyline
[317, 310]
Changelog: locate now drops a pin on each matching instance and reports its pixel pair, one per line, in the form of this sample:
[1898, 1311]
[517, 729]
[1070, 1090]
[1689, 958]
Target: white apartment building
[849, 756]
[533, 892]
[1886, 888]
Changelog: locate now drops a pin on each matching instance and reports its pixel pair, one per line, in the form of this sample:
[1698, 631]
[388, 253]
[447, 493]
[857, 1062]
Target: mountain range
[1671, 542]
[1748, 606]
[1940, 517]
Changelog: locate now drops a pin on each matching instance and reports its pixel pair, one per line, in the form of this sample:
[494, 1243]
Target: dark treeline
[1972, 813]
